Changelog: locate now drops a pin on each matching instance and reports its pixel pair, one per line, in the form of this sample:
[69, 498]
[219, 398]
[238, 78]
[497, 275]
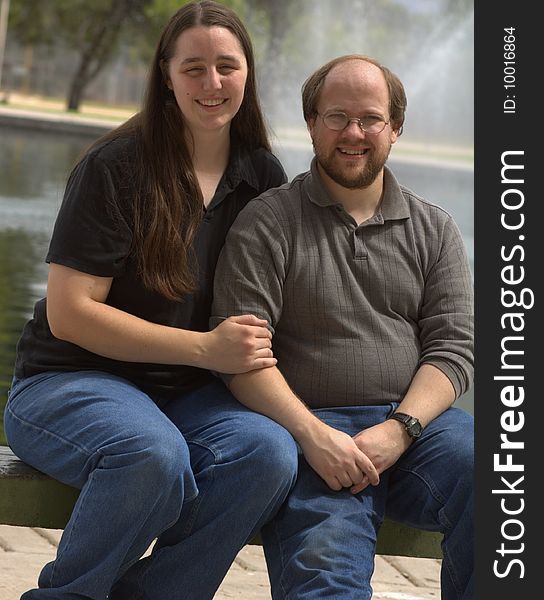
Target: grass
[50, 105]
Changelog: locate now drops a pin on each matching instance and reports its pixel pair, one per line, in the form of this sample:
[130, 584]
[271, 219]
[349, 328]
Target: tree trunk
[75, 93]
[98, 49]
[74, 96]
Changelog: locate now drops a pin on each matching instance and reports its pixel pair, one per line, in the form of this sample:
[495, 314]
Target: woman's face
[207, 74]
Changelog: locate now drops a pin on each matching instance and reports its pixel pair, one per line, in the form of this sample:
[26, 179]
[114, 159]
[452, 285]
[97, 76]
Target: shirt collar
[239, 169]
[393, 206]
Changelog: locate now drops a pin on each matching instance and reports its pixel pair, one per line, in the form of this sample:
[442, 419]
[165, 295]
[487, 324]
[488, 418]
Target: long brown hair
[168, 206]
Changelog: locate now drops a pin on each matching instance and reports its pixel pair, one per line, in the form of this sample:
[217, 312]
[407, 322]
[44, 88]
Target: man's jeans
[204, 472]
[322, 543]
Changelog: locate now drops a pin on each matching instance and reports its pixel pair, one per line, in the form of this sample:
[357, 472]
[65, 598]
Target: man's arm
[429, 395]
[249, 276]
[446, 366]
[333, 454]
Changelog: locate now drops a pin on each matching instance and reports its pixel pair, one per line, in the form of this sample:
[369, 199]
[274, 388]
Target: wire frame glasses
[337, 121]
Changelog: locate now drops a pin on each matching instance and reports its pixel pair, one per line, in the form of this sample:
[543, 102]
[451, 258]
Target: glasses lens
[336, 121]
[373, 124]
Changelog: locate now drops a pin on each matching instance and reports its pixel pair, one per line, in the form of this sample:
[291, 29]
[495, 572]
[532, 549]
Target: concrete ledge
[29, 498]
[38, 121]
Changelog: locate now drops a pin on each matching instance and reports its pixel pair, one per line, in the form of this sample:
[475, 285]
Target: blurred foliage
[89, 29]
[291, 38]
[72, 22]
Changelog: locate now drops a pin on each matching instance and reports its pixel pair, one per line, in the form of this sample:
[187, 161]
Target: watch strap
[411, 424]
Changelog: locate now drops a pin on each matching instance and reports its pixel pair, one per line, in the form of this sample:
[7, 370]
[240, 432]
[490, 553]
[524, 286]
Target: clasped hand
[240, 344]
[354, 462]
[335, 457]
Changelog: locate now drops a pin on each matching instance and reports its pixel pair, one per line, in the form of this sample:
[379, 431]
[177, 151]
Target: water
[33, 172]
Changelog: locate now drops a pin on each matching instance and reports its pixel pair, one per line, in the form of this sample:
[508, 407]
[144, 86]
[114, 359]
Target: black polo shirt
[93, 234]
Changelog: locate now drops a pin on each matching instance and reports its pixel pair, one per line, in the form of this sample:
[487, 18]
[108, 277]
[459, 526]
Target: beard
[351, 176]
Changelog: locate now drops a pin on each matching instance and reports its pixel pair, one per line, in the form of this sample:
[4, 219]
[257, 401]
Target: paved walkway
[23, 551]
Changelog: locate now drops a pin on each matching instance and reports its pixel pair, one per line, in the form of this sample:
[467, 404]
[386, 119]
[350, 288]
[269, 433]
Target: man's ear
[395, 134]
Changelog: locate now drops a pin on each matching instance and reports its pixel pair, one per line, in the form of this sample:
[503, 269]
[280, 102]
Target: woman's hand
[77, 313]
[239, 344]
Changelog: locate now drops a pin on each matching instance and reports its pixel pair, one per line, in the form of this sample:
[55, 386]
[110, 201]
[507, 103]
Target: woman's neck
[210, 158]
[211, 151]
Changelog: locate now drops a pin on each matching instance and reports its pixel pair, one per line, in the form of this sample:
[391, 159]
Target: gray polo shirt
[354, 310]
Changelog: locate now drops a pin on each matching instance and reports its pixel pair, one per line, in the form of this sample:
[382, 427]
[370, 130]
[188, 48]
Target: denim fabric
[132, 462]
[321, 544]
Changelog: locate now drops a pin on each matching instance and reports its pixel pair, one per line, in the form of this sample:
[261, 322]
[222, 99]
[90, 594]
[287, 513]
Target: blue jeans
[202, 473]
[321, 544]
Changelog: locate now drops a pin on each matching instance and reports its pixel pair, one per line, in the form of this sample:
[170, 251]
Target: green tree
[89, 29]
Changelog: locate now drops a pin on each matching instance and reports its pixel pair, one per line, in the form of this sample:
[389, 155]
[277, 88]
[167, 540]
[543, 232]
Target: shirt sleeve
[447, 319]
[252, 266]
[91, 234]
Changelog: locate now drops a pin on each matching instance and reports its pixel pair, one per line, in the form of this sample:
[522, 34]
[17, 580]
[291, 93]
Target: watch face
[414, 428]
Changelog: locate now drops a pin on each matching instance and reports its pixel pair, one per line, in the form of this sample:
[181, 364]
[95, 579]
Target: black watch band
[411, 424]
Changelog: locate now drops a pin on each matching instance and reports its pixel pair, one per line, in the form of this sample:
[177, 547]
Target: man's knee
[457, 448]
[460, 433]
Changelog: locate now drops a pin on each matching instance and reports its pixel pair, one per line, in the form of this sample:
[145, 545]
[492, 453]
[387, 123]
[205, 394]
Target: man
[368, 293]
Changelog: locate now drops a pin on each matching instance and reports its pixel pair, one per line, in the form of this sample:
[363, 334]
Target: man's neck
[361, 203]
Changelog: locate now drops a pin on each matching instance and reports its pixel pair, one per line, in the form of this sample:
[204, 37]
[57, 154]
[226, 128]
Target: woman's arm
[77, 313]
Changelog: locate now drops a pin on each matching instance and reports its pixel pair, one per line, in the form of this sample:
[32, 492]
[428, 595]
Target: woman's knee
[270, 449]
[157, 456]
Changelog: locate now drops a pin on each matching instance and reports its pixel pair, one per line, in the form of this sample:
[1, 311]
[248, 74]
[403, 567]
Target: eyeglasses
[337, 121]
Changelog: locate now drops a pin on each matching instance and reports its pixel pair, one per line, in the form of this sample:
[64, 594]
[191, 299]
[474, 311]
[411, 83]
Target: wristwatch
[411, 424]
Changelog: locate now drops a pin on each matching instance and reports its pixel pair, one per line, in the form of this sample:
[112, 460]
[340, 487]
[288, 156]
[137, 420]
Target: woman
[112, 390]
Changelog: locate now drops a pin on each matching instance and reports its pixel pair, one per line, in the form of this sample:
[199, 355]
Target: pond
[34, 167]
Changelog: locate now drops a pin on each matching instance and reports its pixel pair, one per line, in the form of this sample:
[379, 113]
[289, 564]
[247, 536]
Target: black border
[496, 132]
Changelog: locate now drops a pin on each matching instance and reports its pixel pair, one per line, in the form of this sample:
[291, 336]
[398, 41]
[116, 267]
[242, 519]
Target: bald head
[353, 86]
[356, 69]
[354, 75]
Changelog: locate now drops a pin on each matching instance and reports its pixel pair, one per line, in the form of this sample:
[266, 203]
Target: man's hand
[335, 457]
[383, 444]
